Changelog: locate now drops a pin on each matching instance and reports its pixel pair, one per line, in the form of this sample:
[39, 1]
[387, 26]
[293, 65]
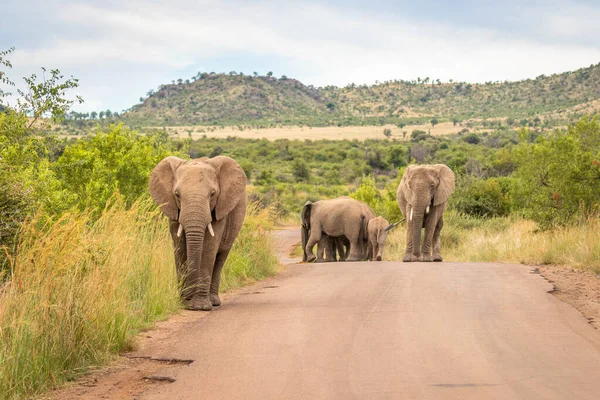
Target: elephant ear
[232, 181]
[305, 214]
[404, 188]
[446, 186]
[161, 185]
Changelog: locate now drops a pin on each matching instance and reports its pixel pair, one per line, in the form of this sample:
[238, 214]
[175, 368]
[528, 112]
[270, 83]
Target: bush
[480, 198]
[118, 159]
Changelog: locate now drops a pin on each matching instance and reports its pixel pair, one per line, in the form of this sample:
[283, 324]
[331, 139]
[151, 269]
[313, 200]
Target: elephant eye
[212, 194]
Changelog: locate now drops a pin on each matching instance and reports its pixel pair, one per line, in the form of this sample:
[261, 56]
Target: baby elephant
[378, 229]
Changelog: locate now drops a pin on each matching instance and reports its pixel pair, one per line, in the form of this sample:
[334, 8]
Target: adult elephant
[205, 201]
[423, 197]
[342, 216]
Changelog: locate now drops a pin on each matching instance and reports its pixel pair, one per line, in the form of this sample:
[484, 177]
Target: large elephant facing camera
[423, 197]
[205, 201]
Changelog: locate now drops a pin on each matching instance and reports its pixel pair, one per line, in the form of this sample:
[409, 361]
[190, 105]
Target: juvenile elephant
[342, 216]
[423, 197]
[378, 229]
[205, 201]
[330, 248]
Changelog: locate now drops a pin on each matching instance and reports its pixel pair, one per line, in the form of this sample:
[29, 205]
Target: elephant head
[424, 190]
[197, 194]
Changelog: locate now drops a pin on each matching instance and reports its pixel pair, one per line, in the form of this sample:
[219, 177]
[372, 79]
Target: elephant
[329, 248]
[423, 197]
[378, 229]
[336, 217]
[205, 201]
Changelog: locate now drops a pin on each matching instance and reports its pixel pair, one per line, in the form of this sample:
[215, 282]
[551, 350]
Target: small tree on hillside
[387, 132]
[434, 122]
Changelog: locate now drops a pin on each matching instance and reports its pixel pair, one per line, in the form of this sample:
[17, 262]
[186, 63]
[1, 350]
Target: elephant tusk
[411, 210]
[180, 230]
[210, 230]
[427, 210]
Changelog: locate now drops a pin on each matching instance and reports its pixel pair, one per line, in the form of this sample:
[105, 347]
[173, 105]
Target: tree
[330, 106]
[101, 115]
[269, 74]
[179, 81]
[387, 132]
[301, 170]
[93, 115]
[255, 73]
[434, 122]
[108, 113]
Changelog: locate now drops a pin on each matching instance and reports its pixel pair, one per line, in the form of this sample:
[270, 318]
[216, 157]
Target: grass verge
[80, 290]
[506, 240]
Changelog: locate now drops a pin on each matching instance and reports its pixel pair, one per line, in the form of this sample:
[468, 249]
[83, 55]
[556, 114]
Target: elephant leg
[216, 278]
[202, 279]
[437, 242]
[321, 246]
[330, 254]
[345, 248]
[179, 250]
[356, 248]
[339, 250]
[430, 226]
[315, 236]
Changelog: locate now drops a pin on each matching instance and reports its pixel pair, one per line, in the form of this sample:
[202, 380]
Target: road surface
[387, 330]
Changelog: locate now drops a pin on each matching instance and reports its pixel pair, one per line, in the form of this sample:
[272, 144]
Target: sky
[119, 50]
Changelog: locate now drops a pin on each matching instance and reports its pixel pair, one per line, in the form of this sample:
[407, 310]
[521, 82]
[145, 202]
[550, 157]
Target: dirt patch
[317, 133]
[131, 374]
[579, 288]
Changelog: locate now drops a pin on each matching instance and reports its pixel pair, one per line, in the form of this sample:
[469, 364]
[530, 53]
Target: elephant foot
[215, 300]
[437, 258]
[410, 258]
[378, 258]
[350, 259]
[200, 304]
[425, 258]
[311, 258]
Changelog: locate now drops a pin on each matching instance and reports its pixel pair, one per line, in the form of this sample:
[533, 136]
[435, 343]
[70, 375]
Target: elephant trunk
[416, 217]
[196, 226]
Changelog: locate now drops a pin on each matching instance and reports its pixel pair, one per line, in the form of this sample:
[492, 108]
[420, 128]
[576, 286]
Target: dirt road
[386, 330]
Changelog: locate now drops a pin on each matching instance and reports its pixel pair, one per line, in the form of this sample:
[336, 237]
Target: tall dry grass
[506, 240]
[80, 289]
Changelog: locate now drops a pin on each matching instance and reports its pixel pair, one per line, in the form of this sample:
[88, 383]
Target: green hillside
[235, 99]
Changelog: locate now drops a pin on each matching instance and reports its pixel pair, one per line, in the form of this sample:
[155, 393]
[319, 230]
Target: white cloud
[319, 44]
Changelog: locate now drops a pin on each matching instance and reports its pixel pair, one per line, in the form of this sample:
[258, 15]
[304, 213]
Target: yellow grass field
[315, 133]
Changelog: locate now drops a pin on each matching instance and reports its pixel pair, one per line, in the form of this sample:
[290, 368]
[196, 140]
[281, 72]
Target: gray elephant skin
[205, 201]
[378, 229]
[338, 217]
[423, 197]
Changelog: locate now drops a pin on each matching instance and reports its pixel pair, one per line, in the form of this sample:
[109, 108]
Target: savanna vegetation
[86, 260]
[267, 101]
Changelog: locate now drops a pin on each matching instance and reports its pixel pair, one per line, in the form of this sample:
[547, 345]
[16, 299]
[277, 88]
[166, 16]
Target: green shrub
[480, 198]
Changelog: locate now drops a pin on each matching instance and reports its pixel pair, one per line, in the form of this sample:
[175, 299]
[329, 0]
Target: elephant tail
[305, 229]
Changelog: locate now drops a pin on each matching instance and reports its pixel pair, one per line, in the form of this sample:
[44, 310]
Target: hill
[235, 99]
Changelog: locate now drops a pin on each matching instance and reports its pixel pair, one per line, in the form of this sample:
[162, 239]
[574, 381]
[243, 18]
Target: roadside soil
[581, 289]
